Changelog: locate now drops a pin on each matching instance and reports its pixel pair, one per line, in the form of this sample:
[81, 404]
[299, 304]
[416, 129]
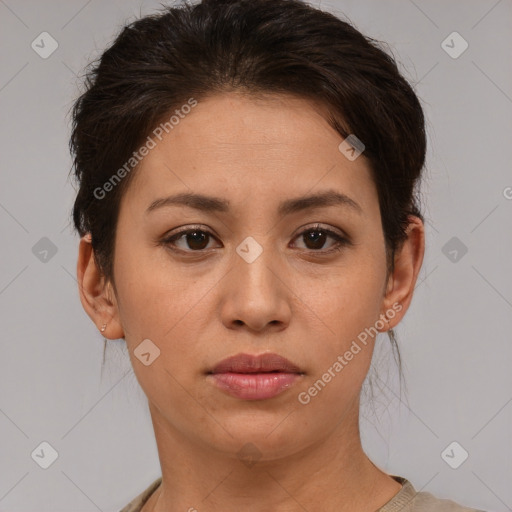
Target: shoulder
[406, 500]
[426, 502]
[409, 500]
[136, 504]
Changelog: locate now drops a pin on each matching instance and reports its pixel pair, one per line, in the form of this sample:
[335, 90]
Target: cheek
[161, 302]
[339, 315]
[164, 307]
[348, 299]
[141, 301]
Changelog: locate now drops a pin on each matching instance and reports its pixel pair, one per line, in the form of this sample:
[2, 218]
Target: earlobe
[96, 296]
[402, 281]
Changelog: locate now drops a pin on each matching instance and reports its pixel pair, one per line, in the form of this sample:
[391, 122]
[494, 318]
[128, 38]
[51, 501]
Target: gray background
[455, 340]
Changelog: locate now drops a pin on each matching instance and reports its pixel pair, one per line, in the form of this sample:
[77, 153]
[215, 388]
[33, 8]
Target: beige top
[406, 500]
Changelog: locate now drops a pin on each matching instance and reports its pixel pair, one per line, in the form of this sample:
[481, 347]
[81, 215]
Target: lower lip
[254, 386]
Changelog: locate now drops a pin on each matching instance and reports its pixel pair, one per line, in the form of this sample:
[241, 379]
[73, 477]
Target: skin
[201, 307]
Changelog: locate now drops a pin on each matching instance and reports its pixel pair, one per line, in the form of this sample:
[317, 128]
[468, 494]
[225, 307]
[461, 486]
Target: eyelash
[341, 241]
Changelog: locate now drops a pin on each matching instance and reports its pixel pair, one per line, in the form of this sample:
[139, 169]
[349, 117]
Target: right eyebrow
[196, 201]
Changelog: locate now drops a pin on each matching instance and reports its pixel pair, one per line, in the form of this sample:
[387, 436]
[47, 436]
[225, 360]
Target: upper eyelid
[319, 226]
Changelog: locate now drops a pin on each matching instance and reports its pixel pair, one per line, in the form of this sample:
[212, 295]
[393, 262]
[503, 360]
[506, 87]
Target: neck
[332, 474]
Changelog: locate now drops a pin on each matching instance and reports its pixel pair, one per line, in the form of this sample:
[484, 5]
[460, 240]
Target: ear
[96, 294]
[407, 264]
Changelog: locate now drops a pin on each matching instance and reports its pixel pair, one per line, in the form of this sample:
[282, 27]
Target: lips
[250, 377]
[263, 363]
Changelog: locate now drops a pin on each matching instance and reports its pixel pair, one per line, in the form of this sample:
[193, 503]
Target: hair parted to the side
[158, 62]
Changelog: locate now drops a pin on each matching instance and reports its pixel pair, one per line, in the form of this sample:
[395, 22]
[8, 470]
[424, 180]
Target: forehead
[234, 144]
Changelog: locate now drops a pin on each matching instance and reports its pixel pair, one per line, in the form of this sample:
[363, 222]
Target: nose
[256, 295]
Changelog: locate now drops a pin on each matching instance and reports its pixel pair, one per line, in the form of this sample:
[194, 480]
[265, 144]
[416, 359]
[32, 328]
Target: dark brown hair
[157, 63]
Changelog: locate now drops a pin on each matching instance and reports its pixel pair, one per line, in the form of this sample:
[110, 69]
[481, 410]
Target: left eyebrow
[319, 200]
[214, 204]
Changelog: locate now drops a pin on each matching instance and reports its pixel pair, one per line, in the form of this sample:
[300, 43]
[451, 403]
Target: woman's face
[252, 279]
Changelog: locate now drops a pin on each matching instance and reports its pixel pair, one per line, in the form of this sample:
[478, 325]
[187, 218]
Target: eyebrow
[214, 204]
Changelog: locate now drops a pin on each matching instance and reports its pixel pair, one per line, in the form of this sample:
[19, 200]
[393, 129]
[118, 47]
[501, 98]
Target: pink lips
[255, 377]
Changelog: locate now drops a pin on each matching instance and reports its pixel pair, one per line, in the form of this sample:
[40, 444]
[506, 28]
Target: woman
[248, 175]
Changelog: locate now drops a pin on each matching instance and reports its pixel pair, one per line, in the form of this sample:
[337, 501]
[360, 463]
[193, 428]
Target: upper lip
[247, 363]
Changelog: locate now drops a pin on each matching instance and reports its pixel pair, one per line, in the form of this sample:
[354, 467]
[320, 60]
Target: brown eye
[197, 239]
[315, 238]
[192, 240]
